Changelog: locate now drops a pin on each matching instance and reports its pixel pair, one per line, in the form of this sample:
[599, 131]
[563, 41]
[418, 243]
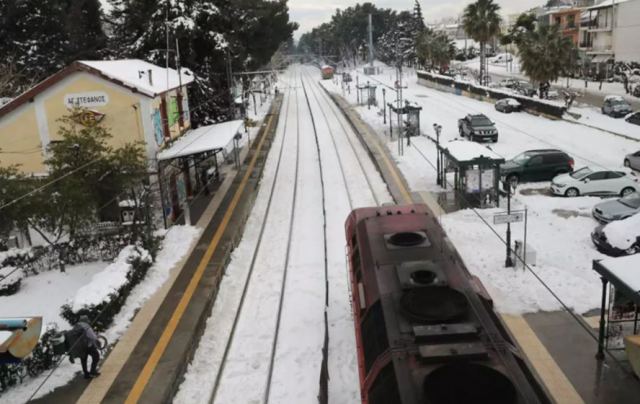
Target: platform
[558, 348]
[148, 362]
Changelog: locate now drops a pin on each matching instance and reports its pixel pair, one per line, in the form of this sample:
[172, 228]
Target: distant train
[327, 72]
[425, 329]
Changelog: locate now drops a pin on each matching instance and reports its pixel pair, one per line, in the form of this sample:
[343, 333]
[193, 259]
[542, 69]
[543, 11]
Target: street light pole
[384, 106]
[508, 262]
[437, 128]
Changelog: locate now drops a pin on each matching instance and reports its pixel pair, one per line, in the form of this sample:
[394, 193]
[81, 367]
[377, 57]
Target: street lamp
[507, 186]
[384, 106]
[438, 128]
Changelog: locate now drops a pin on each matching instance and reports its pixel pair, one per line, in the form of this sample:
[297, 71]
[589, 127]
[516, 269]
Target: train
[426, 330]
[327, 72]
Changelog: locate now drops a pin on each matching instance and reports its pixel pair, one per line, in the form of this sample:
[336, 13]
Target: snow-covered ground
[592, 116]
[298, 356]
[558, 229]
[513, 70]
[44, 294]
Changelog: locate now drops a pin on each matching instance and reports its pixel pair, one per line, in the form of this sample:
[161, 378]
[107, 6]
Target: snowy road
[267, 326]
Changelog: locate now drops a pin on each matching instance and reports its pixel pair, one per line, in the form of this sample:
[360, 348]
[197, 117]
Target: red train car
[327, 72]
[425, 329]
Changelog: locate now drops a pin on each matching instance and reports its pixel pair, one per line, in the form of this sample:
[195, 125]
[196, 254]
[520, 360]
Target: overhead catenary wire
[580, 322]
[77, 169]
[55, 367]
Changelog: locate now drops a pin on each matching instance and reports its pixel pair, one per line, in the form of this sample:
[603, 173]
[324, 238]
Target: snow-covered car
[632, 160]
[507, 105]
[526, 89]
[617, 209]
[503, 58]
[633, 118]
[618, 238]
[586, 181]
[615, 106]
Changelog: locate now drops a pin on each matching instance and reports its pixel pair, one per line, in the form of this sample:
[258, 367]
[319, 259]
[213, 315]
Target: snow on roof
[623, 233]
[205, 138]
[464, 150]
[626, 268]
[614, 97]
[135, 73]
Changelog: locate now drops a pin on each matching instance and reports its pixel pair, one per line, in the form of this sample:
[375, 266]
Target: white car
[586, 181]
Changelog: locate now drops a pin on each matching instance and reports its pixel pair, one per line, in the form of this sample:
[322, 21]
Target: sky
[311, 13]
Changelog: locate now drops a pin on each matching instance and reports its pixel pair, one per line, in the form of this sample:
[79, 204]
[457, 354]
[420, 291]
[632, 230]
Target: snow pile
[45, 293]
[175, 246]
[623, 234]
[110, 280]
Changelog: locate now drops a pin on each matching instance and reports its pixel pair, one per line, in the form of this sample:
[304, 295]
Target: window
[553, 159]
[571, 21]
[558, 20]
[615, 174]
[598, 176]
[535, 161]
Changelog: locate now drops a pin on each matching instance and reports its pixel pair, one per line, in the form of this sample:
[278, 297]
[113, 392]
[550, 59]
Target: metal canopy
[204, 139]
[623, 273]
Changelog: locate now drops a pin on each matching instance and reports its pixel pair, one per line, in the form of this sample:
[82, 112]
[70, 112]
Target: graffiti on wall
[157, 127]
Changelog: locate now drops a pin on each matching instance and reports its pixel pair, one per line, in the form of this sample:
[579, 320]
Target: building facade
[134, 100]
[610, 31]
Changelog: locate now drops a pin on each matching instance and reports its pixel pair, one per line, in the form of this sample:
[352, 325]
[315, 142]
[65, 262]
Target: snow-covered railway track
[324, 102]
[289, 140]
[282, 316]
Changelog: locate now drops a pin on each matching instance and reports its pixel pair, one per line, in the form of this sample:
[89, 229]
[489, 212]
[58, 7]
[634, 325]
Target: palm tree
[482, 22]
[545, 54]
[436, 49]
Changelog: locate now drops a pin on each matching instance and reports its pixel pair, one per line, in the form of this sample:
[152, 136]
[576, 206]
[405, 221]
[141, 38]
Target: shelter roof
[203, 139]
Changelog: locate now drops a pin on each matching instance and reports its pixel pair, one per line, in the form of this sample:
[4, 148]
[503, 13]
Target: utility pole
[370, 41]
[508, 261]
[166, 30]
[438, 128]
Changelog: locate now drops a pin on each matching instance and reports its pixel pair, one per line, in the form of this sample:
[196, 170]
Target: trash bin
[529, 255]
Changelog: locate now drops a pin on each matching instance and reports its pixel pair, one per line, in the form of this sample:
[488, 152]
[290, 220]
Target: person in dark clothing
[625, 82]
[83, 342]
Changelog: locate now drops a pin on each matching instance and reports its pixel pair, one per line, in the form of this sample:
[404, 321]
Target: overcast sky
[311, 13]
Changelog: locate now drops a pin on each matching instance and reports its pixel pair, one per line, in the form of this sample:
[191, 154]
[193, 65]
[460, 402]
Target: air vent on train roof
[407, 239]
[434, 304]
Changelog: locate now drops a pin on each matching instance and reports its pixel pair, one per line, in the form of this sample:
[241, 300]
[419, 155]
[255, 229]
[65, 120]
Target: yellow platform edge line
[554, 379]
[167, 334]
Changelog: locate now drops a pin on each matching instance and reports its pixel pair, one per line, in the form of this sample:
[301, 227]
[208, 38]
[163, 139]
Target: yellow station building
[135, 100]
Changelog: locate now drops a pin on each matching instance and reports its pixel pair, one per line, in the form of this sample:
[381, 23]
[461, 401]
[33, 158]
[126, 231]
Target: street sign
[513, 217]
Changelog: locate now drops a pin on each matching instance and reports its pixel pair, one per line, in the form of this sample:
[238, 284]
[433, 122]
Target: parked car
[508, 105]
[586, 181]
[617, 209]
[525, 88]
[508, 83]
[503, 58]
[633, 117]
[615, 106]
[632, 160]
[536, 165]
[477, 128]
[618, 238]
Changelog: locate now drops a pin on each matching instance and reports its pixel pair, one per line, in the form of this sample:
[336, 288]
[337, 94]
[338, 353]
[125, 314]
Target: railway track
[278, 325]
[291, 92]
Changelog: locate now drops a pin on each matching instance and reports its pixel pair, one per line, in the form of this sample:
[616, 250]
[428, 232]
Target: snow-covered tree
[39, 37]
[209, 33]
